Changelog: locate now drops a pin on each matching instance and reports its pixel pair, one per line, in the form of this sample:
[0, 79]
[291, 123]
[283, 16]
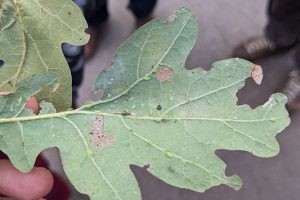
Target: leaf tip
[235, 182]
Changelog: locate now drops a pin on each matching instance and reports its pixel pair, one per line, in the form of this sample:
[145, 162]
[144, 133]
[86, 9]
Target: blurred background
[222, 26]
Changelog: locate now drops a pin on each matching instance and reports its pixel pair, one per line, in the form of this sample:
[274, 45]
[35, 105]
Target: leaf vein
[248, 136]
[140, 56]
[201, 96]
[24, 51]
[173, 154]
[23, 143]
[92, 158]
[58, 18]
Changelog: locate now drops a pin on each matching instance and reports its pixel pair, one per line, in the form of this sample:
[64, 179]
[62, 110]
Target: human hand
[30, 186]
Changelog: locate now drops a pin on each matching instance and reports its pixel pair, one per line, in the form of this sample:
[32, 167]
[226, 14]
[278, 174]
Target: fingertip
[42, 179]
[27, 186]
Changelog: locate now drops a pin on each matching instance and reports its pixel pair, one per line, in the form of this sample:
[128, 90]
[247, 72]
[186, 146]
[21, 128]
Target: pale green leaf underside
[172, 126]
[31, 34]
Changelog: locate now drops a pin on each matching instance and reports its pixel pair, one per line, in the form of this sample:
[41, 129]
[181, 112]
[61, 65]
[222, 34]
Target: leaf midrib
[119, 114]
[152, 118]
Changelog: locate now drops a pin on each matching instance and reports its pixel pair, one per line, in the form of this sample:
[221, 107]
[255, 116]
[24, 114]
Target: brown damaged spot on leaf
[257, 74]
[164, 74]
[97, 137]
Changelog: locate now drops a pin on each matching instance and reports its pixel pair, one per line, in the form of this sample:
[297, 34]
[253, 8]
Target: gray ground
[222, 25]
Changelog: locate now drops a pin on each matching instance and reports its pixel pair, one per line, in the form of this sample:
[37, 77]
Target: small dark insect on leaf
[10, 83]
[1, 63]
[147, 166]
[158, 107]
[125, 114]
[163, 120]
[171, 169]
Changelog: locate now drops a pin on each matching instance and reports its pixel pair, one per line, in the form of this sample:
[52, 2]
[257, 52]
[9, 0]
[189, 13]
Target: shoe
[292, 90]
[257, 47]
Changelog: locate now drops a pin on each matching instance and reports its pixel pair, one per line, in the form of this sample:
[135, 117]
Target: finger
[31, 104]
[30, 186]
[6, 92]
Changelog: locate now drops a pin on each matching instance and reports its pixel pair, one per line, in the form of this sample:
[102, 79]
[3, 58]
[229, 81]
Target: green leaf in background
[31, 34]
[154, 113]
